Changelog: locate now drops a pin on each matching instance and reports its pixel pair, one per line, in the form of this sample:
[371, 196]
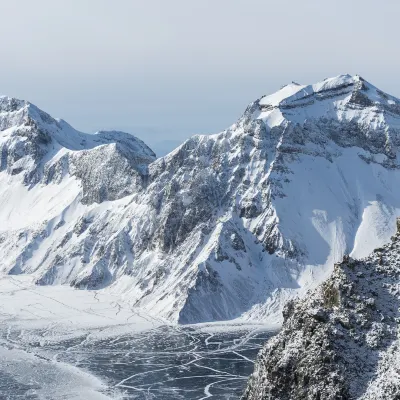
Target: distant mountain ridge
[225, 226]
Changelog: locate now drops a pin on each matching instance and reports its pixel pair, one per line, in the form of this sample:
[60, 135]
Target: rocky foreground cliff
[342, 341]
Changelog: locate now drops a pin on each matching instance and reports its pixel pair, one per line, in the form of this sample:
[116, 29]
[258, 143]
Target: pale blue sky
[164, 70]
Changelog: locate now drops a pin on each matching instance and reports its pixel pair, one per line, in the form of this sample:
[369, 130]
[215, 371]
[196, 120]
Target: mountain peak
[36, 148]
[16, 114]
[341, 87]
[295, 91]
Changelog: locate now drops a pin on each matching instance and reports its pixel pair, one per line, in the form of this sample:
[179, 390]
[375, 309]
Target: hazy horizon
[165, 71]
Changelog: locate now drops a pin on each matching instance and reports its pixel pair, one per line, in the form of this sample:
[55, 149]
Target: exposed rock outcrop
[342, 341]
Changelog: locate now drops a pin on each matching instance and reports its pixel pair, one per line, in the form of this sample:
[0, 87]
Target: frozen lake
[55, 346]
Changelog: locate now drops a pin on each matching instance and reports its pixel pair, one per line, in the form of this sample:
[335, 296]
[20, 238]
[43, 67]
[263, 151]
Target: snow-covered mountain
[226, 225]
[342, 340]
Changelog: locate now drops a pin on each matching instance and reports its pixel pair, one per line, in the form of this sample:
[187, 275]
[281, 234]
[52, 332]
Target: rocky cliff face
[227, 225]
[342, 340]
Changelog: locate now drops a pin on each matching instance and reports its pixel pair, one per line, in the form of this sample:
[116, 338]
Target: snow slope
[226, 226]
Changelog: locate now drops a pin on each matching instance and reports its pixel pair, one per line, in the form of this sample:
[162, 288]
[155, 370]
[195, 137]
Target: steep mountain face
[48, 171]
[226, 225]
[42, 150]
[342, 340]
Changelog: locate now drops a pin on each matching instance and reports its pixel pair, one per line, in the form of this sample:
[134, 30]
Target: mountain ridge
[225, 226]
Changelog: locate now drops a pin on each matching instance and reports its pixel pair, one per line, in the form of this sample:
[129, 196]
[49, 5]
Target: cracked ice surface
[62, 343]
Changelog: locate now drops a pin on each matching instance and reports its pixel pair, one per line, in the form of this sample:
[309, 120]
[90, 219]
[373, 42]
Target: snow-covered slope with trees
[228, 225]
